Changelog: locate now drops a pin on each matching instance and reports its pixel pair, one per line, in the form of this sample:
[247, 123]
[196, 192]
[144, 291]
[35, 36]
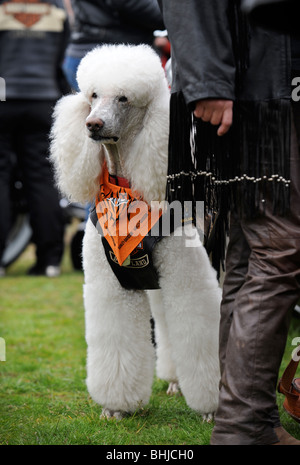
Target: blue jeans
[70, 66]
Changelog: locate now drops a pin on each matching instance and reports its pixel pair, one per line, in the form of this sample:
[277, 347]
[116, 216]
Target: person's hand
[216, 112]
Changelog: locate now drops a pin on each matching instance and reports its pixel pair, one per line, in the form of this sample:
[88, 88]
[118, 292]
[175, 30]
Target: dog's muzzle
[95, 127]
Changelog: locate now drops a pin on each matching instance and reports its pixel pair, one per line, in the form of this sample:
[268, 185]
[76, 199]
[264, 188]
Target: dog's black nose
[94, 125]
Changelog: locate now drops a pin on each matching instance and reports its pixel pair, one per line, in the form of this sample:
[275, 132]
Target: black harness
[138, 271]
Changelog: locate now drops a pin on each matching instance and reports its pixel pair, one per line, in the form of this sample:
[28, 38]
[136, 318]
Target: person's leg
[70, 66]
[255, 323]
[257, 337]
[7, 158]
[236, 270]
[43, 199]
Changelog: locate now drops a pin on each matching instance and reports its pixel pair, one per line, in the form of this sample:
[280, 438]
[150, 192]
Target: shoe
[284, 438]
[51, 271]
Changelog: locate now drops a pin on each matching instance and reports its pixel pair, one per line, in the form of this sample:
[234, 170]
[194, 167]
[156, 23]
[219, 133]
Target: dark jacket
[213, 49]
[277, 14]
[218, 53]
[115, 21]
[32, 45]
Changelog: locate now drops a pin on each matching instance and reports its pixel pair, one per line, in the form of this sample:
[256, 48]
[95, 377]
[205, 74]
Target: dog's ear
[148, 160]
[76, 158]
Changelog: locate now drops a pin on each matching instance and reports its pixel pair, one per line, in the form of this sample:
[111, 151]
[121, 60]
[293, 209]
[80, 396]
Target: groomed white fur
[120, 361]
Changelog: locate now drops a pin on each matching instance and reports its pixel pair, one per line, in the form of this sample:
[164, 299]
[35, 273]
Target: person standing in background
[97, 22]
[33, 38]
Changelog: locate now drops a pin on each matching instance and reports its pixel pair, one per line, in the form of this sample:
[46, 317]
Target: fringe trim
[261, 154]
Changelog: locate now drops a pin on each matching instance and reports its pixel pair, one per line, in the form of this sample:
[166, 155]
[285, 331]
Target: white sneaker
[52, 271]
[297, 310]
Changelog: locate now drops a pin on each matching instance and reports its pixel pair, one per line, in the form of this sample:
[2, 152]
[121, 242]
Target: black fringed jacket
[211, 41]
[217, 53]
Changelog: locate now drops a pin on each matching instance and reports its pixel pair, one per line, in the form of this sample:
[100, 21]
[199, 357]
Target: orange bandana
[123, 218]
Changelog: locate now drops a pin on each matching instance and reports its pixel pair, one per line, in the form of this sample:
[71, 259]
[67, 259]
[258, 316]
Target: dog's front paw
[208, 417]
[107, 413]
[173, 388]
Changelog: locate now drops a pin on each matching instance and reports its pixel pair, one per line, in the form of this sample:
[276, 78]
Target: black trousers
[262, 285]
[24, 139]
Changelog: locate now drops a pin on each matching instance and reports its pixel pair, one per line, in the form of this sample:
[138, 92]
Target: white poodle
[115, 131]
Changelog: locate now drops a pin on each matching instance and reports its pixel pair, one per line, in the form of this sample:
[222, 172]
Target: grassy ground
[43, 397]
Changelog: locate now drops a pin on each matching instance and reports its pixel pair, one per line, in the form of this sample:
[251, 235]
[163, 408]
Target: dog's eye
[94, 95]
[123, 99]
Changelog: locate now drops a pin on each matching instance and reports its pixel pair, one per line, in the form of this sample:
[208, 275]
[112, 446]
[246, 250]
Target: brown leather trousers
[262, 285]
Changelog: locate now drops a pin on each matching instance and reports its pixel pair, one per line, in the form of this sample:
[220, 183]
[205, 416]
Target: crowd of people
[232, 70]
[42, 43]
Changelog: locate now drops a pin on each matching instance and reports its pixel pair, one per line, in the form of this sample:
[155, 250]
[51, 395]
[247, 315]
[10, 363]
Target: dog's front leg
[120, 354]
[120, 360]
[108, 413]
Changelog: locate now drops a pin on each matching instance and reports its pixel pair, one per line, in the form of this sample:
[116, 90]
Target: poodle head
[111, 117]
[119, 82]
[120, 115]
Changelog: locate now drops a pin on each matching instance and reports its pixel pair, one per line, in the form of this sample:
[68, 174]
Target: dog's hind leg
[120, 360]
[191, 297]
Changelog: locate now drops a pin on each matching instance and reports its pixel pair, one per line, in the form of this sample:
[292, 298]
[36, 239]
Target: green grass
[43, 396]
